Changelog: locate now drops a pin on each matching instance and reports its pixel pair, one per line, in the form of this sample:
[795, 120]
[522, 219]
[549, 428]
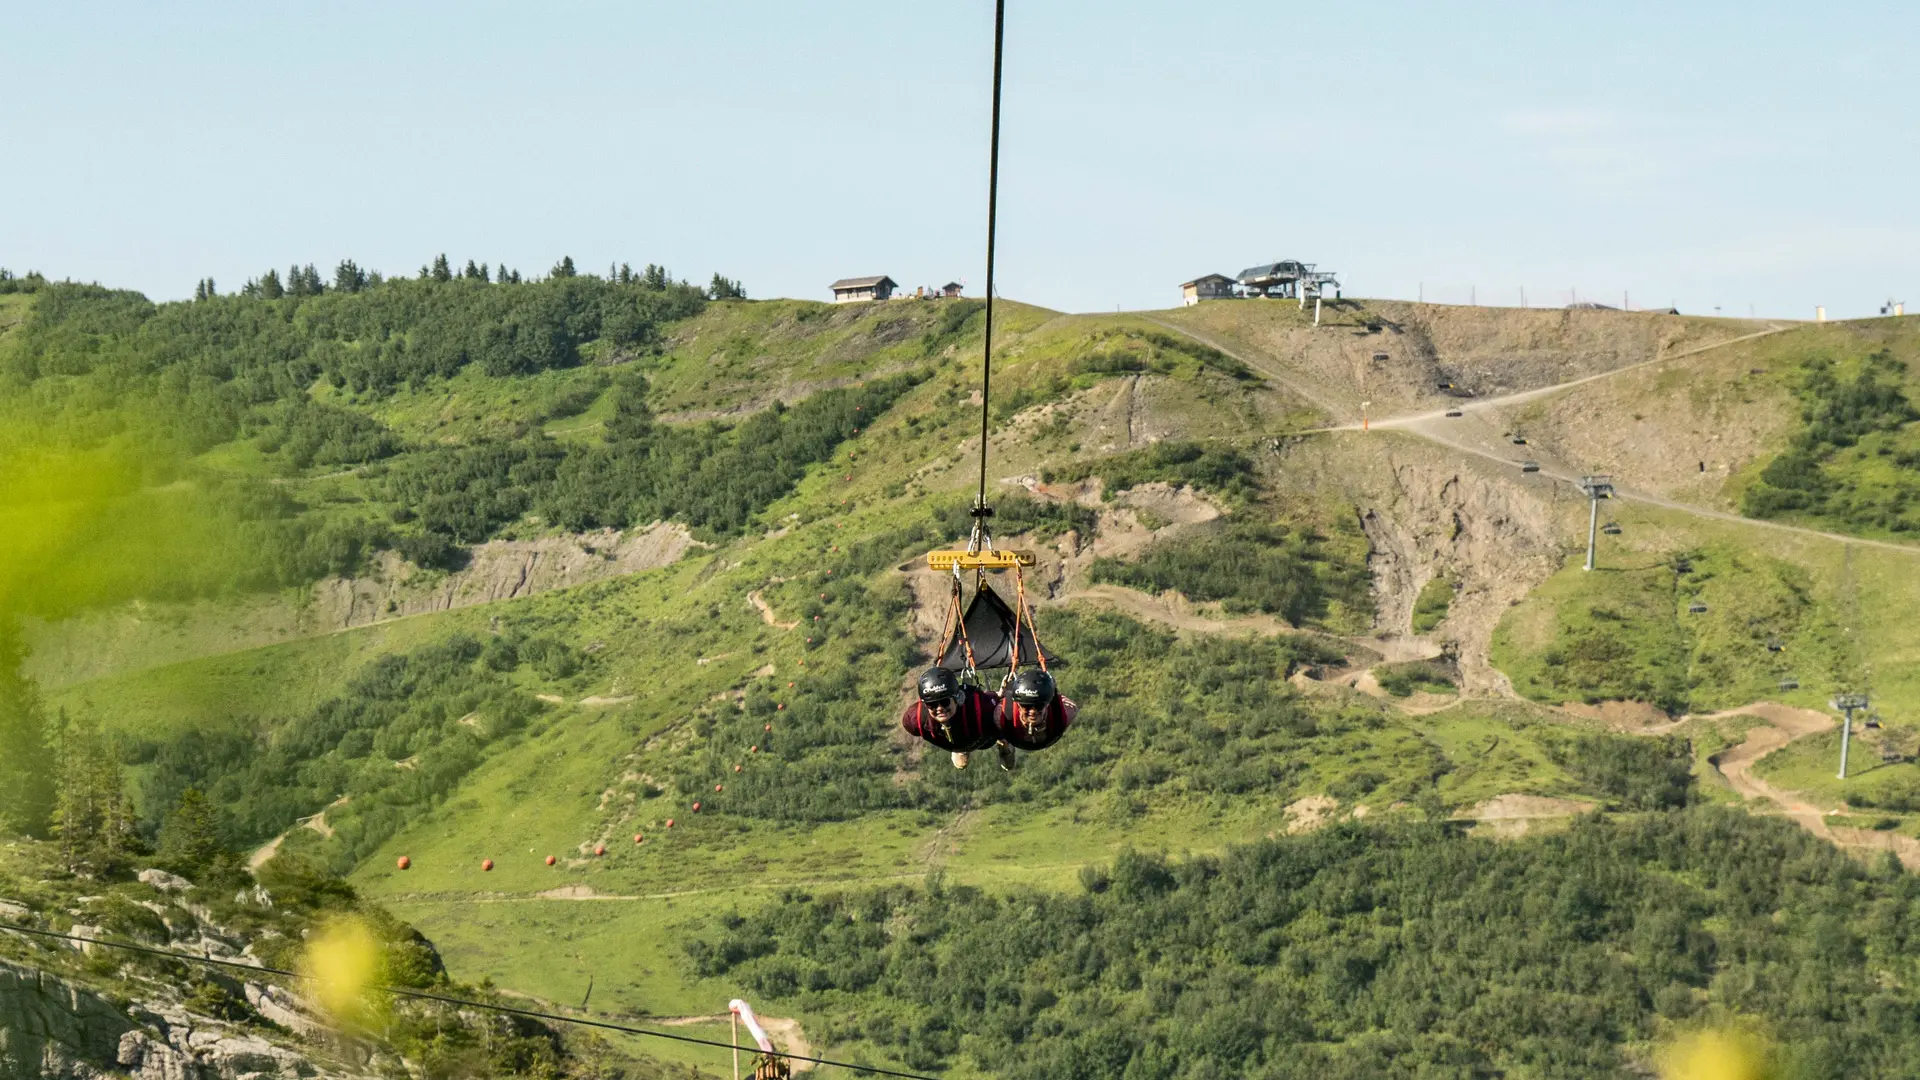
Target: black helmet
[939, 684]
[1032, 689]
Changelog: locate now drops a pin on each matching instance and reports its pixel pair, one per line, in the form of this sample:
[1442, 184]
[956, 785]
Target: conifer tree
[26, 758]
[484, 276]
[442, 270]
[472, 272]
[270, 286]
[92, 816]
[190, 837]
[564, 268]
[655, 277]
[348, 277]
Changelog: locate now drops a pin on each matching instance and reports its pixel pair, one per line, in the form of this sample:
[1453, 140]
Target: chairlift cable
[422, 995]
[993, 194]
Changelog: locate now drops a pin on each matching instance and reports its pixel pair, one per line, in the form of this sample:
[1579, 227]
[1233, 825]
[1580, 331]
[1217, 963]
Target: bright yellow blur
[344, 961]
[1715, 1055]
[85, 528]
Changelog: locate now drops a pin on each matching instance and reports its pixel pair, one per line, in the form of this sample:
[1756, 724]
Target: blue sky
[1754, 156]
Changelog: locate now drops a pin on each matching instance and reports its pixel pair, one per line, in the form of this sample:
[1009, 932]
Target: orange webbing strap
[956, 626]
[1022, 612]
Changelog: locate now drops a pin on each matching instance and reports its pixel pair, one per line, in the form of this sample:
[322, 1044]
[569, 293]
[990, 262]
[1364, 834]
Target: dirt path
[316, 822]
[1430, 425]
[1298, 388]
[1521, 397]
[1551, 471]
[785, 1031]
[1784, 724]
[766, 612]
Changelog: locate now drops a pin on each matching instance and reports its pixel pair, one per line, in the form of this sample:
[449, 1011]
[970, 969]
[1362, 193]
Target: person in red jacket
[1033, 715]
[955, 718]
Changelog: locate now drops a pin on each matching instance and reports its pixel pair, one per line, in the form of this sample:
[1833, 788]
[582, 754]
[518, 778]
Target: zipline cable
[993, 196]
[422, 995]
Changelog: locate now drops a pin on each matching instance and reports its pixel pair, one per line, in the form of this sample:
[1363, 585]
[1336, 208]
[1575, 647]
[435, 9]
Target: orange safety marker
[403, 862]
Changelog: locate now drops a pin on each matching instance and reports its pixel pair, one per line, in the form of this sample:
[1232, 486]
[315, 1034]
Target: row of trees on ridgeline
[350, 277]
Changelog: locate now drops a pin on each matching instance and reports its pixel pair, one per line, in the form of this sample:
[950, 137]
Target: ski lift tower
[1847, 705]
[1597, 488]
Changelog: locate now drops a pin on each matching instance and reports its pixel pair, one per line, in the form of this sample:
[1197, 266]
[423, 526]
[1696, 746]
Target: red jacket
[1053, 722]
[974, 727]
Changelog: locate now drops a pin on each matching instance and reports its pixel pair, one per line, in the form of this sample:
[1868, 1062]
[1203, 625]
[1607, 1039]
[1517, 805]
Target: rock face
[95, 646]
[49, 1028]
[53, 1029]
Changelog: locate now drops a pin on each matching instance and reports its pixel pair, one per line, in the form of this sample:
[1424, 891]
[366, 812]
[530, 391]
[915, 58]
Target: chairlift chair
[1529, 466]
[1873, 721]
[1455, 413]
[1519, 440]
[1696, 608]
[1789, 683]
[1611, 528]
[1775, 645]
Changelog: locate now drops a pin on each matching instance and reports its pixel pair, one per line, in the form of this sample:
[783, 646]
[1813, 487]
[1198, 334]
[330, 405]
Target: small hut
[1210, 287]
[848, 290]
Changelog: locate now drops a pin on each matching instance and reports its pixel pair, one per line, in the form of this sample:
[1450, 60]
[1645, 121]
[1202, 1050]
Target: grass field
[667, 659]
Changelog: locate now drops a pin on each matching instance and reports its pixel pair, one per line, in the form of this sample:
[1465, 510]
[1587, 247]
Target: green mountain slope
[1272, 626]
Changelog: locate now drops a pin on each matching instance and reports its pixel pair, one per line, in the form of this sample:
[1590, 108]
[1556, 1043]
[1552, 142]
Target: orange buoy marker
[599, 849]
[636, 838]
[789, 686]
[486, 864]
[550, 860]
[769, 727]
[782, 707]
[403, 862]
[736, 768]
[753, 749]
[669, 823]
[696, 808]
[716, 787]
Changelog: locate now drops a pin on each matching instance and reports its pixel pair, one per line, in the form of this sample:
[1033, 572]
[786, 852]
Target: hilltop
[486, 596]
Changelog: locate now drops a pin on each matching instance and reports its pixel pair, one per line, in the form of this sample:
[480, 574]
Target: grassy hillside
[1264, 630]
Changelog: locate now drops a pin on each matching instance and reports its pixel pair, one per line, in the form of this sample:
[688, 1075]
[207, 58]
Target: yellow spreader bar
[1000, 559]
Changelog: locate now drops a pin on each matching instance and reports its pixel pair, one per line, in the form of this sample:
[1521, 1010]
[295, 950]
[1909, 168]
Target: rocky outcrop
[96, 646]
[54, 1029]
[50, 1028]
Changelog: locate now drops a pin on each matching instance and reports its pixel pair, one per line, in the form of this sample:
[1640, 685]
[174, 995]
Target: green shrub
[1200, 465]
[1286, 572]
[1403, 679]
[1430, 607]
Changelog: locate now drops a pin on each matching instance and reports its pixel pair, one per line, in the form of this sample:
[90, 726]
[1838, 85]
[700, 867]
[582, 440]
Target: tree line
[1360, 952]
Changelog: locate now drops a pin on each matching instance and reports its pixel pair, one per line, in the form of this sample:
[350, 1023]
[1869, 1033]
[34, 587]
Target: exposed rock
[97, 645]
[164, 881]
[49, 1028]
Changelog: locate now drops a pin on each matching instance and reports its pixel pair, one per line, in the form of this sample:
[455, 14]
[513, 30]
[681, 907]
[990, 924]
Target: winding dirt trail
[1435, 426]
[1784, 724]
[766, 612]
